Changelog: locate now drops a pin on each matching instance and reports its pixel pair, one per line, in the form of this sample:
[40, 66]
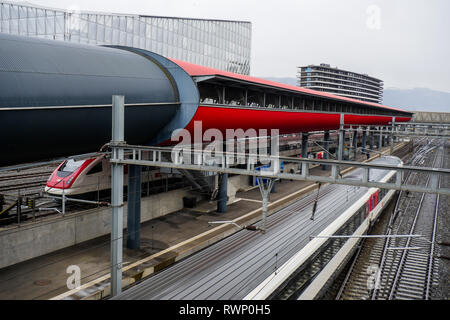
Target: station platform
[164, 241]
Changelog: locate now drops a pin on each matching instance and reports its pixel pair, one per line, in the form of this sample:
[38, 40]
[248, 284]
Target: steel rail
[21, 186]
[25, 176]
[433, 239]
[403, 258]
[349, 272]
[388, 241]
[348, 285]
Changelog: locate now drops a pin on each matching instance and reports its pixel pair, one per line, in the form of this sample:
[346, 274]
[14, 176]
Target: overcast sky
[406, 43]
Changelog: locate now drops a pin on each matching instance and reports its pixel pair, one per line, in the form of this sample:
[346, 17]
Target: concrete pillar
[222, 194]
[355, 143]
[134, 207]
[326, 146]
[304, 147]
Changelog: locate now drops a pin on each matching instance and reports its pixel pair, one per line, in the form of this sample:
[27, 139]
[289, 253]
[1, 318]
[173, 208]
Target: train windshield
[69, 167]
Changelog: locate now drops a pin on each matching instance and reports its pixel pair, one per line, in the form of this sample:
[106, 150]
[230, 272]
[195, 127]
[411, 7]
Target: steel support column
[341, 139]
[355, 143]
[118, 110]
[274, 186]
[364, 141]
[371, 140]
[265, 189]
[391, 141]
[326, 146]
[380, 139]
[134, 207]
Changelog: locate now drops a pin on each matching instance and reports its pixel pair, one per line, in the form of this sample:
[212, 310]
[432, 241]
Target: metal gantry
[406, 129]
[161, 157]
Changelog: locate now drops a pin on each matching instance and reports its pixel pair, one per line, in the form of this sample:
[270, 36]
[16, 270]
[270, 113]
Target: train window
[69, 167]
[96, 169]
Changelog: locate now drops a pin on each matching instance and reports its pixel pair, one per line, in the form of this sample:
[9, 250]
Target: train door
[372, 202]
[367, 207]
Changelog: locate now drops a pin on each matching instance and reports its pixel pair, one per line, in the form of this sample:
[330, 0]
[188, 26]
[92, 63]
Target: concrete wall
[235, 184]
[32, 240]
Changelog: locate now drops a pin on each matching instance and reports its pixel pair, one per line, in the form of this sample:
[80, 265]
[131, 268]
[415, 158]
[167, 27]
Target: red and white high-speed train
[77, 177]
[80, 176]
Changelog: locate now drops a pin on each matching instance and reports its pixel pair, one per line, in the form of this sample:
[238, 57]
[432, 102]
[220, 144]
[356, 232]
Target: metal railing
[224, 162]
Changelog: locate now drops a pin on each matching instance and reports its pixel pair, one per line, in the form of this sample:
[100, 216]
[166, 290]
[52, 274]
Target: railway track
[204, 259]
[231, 268]
[11, 177]
[23, 187]
[400, 268]
[29, 182]
[412, 273]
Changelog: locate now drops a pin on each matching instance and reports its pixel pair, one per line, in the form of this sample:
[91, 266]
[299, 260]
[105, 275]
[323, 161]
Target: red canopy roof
[198, 70]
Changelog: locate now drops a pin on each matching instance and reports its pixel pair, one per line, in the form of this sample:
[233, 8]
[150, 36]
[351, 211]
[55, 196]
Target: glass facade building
[220, 44]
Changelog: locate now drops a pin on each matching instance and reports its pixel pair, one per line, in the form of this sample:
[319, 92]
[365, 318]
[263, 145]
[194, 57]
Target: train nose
[59, 183]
